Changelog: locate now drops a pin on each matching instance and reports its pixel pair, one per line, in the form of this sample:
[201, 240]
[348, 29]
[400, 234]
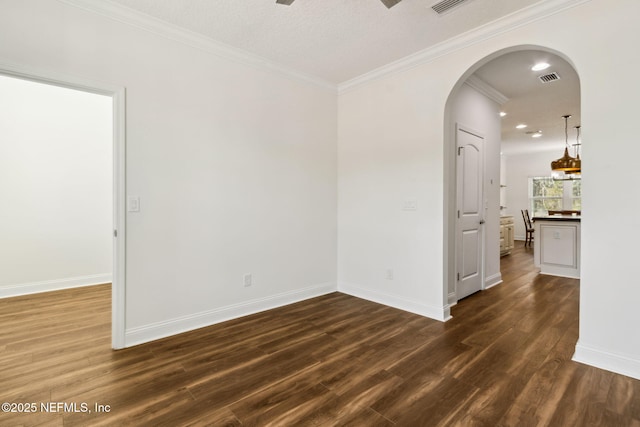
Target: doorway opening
[63, 164]
[527, 110]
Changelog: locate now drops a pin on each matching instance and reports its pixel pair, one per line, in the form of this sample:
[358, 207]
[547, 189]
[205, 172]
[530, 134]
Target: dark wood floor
[504, 360]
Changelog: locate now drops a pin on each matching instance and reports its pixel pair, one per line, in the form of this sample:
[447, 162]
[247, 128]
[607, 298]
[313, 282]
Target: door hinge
[458, 213]
[460, 150]
[115, 233]
[458, 277]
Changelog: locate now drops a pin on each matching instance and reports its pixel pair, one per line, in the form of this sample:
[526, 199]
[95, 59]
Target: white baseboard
[619, 364]
[7, 291]
[492, 281]
[438, 313]
[154, 331]
[453, 300]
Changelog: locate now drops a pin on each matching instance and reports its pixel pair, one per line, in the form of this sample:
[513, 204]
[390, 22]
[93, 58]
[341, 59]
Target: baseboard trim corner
[437, 313]
[492, 281]
[619, 364]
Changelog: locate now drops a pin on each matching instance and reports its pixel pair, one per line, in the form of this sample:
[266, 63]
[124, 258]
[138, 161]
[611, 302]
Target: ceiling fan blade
[390, 3]
[285, 2]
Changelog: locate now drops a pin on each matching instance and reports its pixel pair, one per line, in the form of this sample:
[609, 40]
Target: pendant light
[577, 145]
[566, 163]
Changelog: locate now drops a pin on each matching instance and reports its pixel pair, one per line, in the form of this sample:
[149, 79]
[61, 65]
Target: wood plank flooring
[504, 360]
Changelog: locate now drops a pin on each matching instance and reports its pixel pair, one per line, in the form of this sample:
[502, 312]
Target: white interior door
[470, 213]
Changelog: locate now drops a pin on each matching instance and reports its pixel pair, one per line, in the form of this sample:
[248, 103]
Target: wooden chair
[528, 226]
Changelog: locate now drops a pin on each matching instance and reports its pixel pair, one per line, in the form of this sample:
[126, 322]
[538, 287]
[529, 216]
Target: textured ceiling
[334, 40]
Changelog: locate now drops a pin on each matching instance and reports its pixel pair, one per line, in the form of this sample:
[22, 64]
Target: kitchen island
[556, 249]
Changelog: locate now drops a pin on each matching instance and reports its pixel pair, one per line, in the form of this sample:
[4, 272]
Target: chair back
[527, 220]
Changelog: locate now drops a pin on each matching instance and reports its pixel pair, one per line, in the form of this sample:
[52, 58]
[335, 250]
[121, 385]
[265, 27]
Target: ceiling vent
[446, 5]
[551, 77]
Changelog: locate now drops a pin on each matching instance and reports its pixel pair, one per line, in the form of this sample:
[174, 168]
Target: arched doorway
[503, 82]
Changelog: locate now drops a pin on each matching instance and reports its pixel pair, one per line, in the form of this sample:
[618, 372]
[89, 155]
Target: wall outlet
[247, 280]
[389, 275]
[410, 205]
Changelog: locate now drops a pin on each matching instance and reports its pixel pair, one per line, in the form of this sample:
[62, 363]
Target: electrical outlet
[410, 205]
[247, 280]
[389, 275]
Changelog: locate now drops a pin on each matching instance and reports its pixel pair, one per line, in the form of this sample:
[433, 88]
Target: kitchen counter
[556, 248]
[556, 218]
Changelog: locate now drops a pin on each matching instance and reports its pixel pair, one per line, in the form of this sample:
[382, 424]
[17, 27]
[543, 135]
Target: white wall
[234, 164]
[476, 111]
[391, 137]
[385, 158]
[55, 187]
[519, 168]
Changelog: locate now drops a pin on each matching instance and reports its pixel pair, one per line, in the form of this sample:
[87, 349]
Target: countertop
[556, 218]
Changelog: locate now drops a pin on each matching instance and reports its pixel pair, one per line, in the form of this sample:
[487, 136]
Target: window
[546, 194]
[576, 194]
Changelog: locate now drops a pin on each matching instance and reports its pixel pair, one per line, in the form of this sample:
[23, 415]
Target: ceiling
[538, 105]
[339, 40]
[333, 40]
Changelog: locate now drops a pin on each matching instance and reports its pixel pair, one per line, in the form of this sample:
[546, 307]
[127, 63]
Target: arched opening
[504, 82]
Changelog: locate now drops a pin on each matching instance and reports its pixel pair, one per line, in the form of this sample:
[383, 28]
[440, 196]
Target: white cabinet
[556, 249]
[506, 235]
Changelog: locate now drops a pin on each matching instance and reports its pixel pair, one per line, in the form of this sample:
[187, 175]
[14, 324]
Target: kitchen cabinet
[556, 249]
[506, 235]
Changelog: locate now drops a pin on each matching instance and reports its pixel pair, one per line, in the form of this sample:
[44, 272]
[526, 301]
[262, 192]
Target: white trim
[118, 300]
[620, 364]
[173, 32]
[438, 313]
[7, 291]
[495, 28]
[492, 281]
[154, 331]
[486, 89]
[451, 298]
[118, 276]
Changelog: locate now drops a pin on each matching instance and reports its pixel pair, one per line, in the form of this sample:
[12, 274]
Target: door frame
[118, 95]
[457, 240]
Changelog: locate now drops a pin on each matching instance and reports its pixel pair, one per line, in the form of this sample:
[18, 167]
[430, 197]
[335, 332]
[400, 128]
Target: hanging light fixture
[566, 163]
[577, 145]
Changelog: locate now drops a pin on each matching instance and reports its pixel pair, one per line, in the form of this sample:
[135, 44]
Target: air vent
[551, 77]
[446, 5]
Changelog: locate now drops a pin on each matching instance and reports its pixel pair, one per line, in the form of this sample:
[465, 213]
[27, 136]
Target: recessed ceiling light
[537, 134]
[502, 114]
[521, 126]
[540, 66]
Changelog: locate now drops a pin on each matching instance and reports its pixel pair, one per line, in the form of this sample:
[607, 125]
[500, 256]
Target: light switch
[133, 204]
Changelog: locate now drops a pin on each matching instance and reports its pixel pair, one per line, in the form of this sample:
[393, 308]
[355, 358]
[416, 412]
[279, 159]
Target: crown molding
[162, 28]
[492, 29]
[486, 89]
